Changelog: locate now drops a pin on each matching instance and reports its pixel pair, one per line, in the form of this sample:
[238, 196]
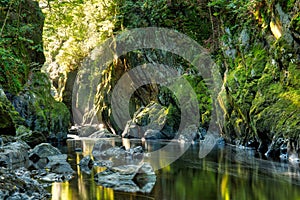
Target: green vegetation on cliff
[25, 99]
[260, 58]
[21, 49]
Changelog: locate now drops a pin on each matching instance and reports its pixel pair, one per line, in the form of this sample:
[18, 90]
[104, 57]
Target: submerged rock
[128, 178]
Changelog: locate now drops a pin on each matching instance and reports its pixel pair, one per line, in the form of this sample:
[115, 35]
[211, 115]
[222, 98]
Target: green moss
[203, 97]
[293, 75]
[10, 118]
[295, 23]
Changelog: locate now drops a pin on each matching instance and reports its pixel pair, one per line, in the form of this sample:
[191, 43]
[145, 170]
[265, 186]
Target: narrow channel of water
[226, 173]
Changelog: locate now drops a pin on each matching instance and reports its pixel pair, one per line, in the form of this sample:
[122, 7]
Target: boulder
[153, 135]
[189, 134]
[45, 156]
[32, 138]
[86, 131]
[104, 133]
[155, 120]
[18, 184]
[104, 152]
[86, 164]
[14, 154]
[128, 178]
[43, 150]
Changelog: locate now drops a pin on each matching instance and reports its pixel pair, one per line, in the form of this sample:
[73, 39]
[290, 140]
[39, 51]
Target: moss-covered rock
[9, 116]
[262, 81]
[40, 110]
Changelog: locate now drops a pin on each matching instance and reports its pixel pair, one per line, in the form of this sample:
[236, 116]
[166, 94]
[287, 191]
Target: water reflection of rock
[219, 175]
[125, 168]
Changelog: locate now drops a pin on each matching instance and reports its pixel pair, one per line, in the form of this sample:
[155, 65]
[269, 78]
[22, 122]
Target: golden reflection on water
[84, 188]
[223, 175]
[63, 191]
[224, 187]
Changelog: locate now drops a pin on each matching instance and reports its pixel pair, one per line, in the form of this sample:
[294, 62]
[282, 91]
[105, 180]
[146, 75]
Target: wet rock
[61, 168]
[15, 153]
[103, 163]
[189, 134]
[43, 151]
[86, 131]
[53, 177]
[104, 151]
[153, 135]
[32, 138]
[145, 178]
[128, 178]
[86, 161]
[86, 164]
[103, 134]
[78, 149]
[153, 118]
[49, 157]
[19, 185]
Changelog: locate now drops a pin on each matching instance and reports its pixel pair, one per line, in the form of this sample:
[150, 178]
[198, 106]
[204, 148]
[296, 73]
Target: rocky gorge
[254, 44]
[44, 87]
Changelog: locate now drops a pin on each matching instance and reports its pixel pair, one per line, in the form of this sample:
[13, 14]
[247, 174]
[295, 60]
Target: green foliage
[11, 71]
[20, 43]
[189, 17]
[72, 29]
[203, 97]
[234, 11]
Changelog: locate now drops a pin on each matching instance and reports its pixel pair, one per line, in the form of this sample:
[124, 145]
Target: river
[227, 173]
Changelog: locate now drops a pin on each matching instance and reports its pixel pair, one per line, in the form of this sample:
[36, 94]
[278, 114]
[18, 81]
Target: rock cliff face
[261, 64]
[26, 104]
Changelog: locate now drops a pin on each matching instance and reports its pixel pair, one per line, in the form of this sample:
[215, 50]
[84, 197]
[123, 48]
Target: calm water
[226, 173]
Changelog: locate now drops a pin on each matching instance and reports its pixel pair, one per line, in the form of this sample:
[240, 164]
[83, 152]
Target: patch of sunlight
[61, 191]
[276, 30]
[108, 193]
[292, 96]
[224, 187]
[167, 168]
